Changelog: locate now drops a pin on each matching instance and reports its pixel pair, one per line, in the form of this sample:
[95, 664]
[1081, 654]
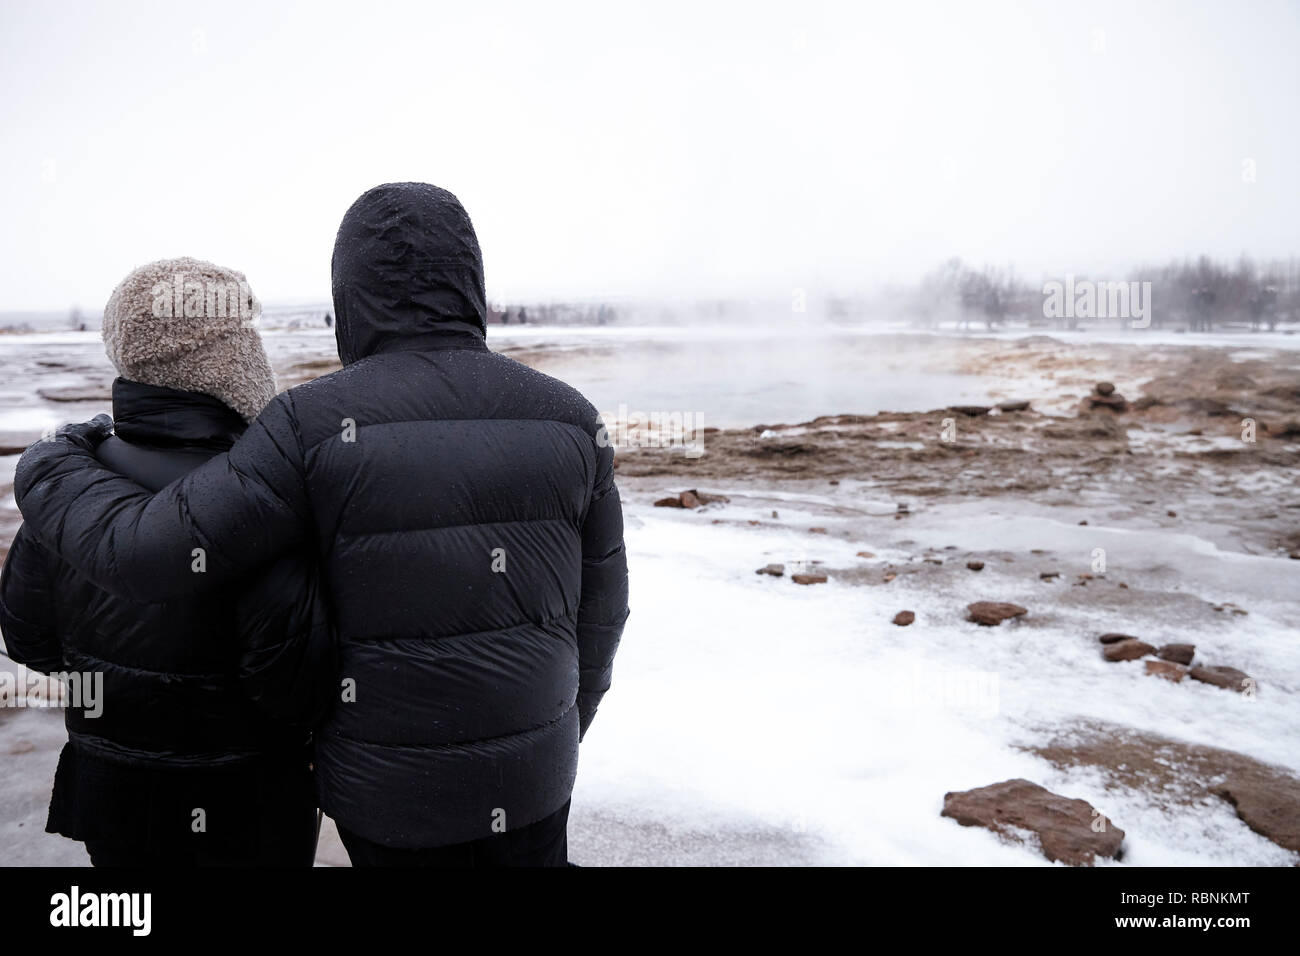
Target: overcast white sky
[632, 149]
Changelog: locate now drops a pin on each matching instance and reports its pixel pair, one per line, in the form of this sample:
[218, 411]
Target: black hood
[407, 271]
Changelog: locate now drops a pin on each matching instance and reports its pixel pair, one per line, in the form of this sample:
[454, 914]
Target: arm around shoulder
[230, 515]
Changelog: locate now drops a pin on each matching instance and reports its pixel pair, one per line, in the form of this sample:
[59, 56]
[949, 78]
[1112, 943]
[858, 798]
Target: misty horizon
[817, 147]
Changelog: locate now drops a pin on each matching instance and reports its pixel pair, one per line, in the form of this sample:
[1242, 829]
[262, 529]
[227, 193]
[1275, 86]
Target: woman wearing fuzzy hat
[188, 729]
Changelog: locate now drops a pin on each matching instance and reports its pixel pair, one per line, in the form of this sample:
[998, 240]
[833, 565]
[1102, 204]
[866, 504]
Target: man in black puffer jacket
[469, 530]
[170, 759]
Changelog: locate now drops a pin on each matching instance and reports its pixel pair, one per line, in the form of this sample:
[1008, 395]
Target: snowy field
[756, 714]
[755, 721]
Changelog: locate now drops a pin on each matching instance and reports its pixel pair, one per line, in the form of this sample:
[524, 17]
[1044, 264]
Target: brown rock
[1270, 807]
[1116, 638]
[1229, 606]
[1013, 406]
[889, 576]
[1050, 575]
[1129, 650]
[712, 499]
[865, 554]
[1167, 669]
[808, 578]
[77, 393]
[1287, 429]
[817, 531]
[904, 618]
[1116, 403]
[692, 499]
[1229, 678]
[975, 565]
[1179, 774]
[993, 613]
[1104, 388]
[971, 411]
[15, 443]
[1204, 405]
[1065, 827]
[775, 570]
[1178, 653]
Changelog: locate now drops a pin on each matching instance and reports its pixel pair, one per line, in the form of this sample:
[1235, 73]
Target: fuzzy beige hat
[190, 325]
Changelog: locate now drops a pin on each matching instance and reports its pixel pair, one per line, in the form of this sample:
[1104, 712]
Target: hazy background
[646, 149]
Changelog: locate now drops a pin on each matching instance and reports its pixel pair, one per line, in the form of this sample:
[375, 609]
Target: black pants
[544, 843]
[262, 813]
[290, 842]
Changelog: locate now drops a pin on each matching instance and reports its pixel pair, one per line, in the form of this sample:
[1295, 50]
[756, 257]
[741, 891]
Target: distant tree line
[960, 293]
[552, 313]
[1199, 295]
[1203, 293]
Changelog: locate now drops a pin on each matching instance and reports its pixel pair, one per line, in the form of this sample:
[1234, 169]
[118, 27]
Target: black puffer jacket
[466, 517]
[172, 694]
[179, 677]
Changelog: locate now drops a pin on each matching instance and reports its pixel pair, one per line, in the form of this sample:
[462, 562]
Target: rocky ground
[1206, 431]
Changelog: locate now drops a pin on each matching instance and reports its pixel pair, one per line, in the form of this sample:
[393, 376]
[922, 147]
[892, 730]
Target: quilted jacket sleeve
[227, 517]
[27, 603]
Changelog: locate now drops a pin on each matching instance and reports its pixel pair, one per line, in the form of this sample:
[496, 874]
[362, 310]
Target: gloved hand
[88, 435]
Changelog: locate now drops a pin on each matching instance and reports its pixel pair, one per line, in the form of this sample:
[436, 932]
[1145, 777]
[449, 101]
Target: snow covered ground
[750, 711]
[756, 721]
